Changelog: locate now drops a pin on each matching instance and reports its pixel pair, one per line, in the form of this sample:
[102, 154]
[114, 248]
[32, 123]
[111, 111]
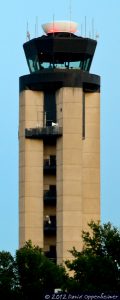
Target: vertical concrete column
[69, 171]
[30, 170]
[91, 160]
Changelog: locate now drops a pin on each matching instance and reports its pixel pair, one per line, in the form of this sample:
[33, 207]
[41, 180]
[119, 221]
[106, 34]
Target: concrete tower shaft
[59, 143]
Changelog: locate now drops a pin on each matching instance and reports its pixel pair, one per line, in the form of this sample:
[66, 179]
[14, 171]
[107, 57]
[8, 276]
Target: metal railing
[43, 132]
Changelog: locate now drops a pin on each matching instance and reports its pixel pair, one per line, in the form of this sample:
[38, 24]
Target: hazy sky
[14, 16]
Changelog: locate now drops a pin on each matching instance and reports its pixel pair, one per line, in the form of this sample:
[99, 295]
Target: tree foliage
[94, 269]
[37, 273]
[97, 266]
[29, 274]
[8, 279]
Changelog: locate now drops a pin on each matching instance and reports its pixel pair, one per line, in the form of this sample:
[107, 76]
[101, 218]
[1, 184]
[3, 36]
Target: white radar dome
[60, 26]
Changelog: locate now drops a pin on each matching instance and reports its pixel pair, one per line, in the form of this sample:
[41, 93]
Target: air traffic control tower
[59, 141]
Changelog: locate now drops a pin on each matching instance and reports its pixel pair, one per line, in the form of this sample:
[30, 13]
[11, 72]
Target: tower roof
[60, 26]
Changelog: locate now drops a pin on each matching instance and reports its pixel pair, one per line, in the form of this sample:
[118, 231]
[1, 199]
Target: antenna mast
[27, 33]
[81, 29]
[70, 14]
[53, 24]
[35, 30]
[85, 26]
[36, 27]
[93, 28]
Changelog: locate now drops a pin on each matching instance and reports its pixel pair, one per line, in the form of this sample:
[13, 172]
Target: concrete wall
[91, 160]
[30, 170]
[78, 168]
[69, 171]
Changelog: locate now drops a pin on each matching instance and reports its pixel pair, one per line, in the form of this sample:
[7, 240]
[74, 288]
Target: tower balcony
[50, 165]
[50, 196]
[45, 133]
[50, 225]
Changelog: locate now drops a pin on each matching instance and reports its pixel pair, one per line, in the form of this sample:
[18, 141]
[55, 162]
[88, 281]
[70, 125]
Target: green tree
[97, 266]
[8, 279]
[37, 273]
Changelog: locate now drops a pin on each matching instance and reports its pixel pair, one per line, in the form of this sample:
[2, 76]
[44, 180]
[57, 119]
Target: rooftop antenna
[27, 34]
[81, 29]
[70, 14]
[36, 27]
[53, 24]
[35, 30]
[85, 25]
[97, 36]
[93, 28]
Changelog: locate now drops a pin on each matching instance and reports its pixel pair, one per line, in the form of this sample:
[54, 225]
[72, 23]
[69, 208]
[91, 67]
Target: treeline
[96, 268]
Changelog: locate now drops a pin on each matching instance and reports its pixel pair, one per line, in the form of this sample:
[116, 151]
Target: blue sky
[13, 19]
